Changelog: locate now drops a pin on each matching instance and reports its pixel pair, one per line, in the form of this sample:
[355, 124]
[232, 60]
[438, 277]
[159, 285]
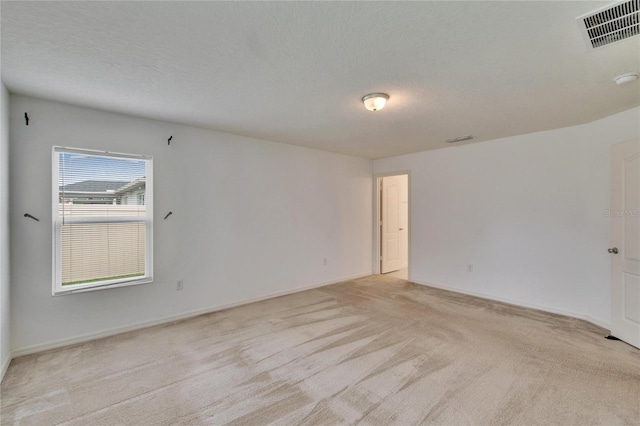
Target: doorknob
[613, 250]
[401, 229]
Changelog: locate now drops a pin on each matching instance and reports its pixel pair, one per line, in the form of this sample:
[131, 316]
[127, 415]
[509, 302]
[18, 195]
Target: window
[102, 220]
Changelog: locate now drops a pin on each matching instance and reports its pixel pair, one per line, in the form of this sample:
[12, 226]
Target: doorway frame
[377, 238]
[618, 154]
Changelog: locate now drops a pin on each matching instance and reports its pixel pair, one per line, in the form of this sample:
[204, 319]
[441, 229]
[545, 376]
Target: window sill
[79, 289]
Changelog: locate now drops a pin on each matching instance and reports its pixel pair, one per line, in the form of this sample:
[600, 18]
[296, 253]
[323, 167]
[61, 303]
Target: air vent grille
[459, 139]
[611, 24]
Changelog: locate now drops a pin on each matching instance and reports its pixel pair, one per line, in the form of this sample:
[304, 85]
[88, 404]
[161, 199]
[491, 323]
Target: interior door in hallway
[394, 227]
[625, 238]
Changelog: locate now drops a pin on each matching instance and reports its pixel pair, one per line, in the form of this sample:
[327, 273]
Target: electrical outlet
[180, 285]
[325, 261]
[470, 267]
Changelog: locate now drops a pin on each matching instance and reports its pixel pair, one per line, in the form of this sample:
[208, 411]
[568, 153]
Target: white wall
[5, 330]
[250, 218]
[528, 212]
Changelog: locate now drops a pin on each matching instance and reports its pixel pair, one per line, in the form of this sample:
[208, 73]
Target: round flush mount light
[375, 101]
[626, 78]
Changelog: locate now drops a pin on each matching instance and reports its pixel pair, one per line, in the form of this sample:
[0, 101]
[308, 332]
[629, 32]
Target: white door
[391, 229]
[404, 221]
[625, 238]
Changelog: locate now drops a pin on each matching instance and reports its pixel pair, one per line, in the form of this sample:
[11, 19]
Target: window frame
[57, 223]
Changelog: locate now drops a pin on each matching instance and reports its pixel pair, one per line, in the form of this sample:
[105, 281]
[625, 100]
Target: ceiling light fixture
[375, 101]
[626, 78]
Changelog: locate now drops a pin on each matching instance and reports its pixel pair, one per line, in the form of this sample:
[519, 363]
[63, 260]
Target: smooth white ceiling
[294, 72]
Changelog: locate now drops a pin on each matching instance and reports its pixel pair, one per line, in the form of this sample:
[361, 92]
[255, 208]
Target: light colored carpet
[377, 350]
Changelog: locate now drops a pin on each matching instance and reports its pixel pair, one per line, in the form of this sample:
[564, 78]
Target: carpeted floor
[377, 350]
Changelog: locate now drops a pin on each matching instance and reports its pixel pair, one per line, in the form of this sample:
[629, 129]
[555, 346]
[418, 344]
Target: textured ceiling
[294, 72]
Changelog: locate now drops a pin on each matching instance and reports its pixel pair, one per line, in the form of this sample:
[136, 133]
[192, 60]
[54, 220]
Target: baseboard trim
[5, 366]
[521, 303]
[595, 321]
[164, 320]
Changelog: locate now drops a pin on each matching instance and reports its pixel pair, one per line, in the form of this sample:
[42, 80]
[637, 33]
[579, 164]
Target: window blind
[102, 218]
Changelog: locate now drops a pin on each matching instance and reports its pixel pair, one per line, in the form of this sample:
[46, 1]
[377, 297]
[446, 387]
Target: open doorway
[392, 225]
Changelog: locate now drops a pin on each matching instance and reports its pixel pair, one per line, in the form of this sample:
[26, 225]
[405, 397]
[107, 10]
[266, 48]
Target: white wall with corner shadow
[529, 212]
[250, 219]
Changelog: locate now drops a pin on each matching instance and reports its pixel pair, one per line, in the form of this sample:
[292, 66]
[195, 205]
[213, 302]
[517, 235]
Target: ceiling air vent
[610, 24]
[460, 139]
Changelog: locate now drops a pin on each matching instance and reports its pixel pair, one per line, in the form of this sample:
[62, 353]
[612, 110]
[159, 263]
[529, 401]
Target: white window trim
[57, 288]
